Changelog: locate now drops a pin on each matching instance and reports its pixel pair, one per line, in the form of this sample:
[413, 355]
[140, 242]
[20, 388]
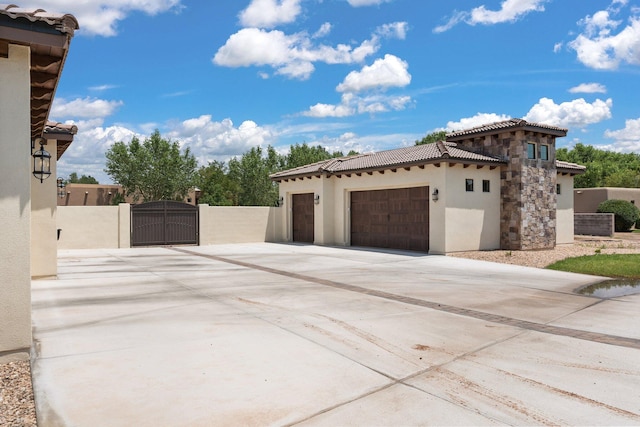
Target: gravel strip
[625, 244]
[17, 407]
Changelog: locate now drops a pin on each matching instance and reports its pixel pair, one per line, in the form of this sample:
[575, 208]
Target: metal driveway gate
[164, 223]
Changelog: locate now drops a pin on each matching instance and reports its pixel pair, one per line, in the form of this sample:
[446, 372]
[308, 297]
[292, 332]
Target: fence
[104, 227]
[594, 224]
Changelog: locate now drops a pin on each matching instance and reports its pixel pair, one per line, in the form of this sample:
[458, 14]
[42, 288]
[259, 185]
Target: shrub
[626, 213]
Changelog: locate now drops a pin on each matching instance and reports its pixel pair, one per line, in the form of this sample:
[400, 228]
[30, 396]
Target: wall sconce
[281, 201]
[316, 199]
[60, 184]
[434, 195]
[41, 161]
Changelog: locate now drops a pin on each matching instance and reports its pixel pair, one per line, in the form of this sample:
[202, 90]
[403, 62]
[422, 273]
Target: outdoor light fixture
[281, 201]
[434, 195]
[61, 192]
[316, 199]
[41, 161]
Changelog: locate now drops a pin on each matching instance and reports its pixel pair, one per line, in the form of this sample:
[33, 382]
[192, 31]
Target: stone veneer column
[527, 188]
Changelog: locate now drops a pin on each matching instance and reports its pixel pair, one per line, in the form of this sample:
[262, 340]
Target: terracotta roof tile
[507, 124]
[417, 154]
[570, 166]
[65, 23]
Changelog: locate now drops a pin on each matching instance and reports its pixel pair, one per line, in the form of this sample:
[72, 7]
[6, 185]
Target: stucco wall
[88, 227]
[44, 254]
[472, 217]
[15, 204]
[457, 221]
[564, 212]
[586, 200]
[239, 224]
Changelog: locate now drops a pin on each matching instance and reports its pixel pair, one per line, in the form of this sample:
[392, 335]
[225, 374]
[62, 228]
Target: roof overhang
[511, 125]
[48, 35]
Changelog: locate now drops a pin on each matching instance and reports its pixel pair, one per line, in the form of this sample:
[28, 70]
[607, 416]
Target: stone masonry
[528, 186]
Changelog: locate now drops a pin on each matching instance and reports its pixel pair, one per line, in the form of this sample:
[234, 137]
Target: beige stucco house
[490, 187]
[33, 49]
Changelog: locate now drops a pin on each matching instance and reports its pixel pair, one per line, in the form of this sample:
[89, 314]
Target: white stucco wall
[239, 224]
[472, 217]
[15, 203]
[44, 252]
[564, 212]
[457, 221]
[88, 227]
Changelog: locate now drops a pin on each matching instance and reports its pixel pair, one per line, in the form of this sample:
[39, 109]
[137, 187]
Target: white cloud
[577, 113]
[360, 3]
[390, 71]
[210, 140]
[207, 139]
[86, 154]
[270, 13]
[589, 88]
[599, 48]
[102, 88]
[352, 104]
[85, 108]
[323, 31]
[101, 17]
[477, 120]
[628, 138]
[293, 55]
[510, 11]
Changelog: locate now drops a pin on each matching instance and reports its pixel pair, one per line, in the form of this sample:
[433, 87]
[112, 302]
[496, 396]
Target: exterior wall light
[60, 184]
[316, 199]
[281, 201]
[434, 195]
[41, 161]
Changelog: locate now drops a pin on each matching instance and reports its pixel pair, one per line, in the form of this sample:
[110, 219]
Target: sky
[223, 76]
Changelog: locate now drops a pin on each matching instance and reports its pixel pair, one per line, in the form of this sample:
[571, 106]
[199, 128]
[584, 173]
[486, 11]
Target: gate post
[124, 225]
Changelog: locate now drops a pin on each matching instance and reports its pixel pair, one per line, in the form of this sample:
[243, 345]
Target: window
[469, 184]
[544, 152]
[557, 188]
[486, 186]
[531, 150]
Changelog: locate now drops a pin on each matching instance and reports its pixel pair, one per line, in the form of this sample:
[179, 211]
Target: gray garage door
[393, 219]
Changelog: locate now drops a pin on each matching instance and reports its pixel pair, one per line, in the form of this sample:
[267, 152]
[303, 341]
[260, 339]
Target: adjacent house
[33, 48]
[489, 187]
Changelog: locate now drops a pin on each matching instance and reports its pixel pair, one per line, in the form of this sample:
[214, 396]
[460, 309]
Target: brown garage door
[394, 219]
[302, 217]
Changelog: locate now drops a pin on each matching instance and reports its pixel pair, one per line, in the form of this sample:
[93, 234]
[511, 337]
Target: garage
[392, 219]
[302, 211]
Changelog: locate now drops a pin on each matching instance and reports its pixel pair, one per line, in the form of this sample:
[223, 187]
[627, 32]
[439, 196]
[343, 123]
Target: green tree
[433, 137]
[155, 169]
[216, 187]
[84, 179]
[604, 168]
[303, 154]
[251, 173]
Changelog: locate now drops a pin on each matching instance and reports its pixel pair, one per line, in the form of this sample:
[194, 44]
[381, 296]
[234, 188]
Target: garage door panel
[396, 218]
[303, 217]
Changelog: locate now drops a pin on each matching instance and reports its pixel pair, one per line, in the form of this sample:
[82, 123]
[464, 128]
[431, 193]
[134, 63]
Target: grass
[614, 265]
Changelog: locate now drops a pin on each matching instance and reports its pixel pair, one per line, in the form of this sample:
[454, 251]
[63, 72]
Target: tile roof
[62, 133]
[400, 157]
[64, 23]
[508, 124]
[48, 36]
[570, 167]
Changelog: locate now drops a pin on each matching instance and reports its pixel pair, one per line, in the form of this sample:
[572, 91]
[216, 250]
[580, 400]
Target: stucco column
[15, 203]
[124, 225]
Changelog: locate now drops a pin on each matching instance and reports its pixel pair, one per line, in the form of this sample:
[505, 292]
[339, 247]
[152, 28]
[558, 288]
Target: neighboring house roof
[511, 124]
[48, 35]
[415, 155]
[62, 133]
[571, 168]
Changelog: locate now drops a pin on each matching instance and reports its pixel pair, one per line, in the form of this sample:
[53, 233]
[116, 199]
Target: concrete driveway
[273, 334]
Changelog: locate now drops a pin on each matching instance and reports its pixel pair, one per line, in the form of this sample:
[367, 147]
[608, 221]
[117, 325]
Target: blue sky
[223, 76]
